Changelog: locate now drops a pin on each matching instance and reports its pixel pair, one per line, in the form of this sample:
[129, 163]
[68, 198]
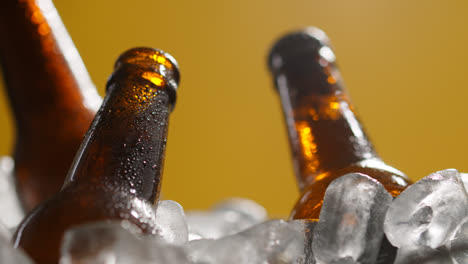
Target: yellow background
[404, 63]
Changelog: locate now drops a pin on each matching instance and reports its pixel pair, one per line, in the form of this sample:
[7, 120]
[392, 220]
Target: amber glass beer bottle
[326, 138]
[117, 171]
[51, 95]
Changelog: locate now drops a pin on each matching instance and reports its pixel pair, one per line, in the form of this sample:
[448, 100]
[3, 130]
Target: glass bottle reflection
[117, 171]
[326, 138]
[50, 92]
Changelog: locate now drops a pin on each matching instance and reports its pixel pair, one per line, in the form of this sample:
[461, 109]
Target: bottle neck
[324, 132]
[125, 145]
[44, 74]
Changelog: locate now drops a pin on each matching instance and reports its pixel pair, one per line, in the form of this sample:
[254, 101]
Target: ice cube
[350, 227]
[114, 242]
[387, 252]
[273, 242]
[300, 251]
[459, 244]
[428, 212]
[423, 255]
[464, 178]
[227, 218]
[194, 236]
[212, 225]
[5, 232]
[279, 241]
[309, 227]
[8, 199]
[227, 250]
[171, 220]
[9, 254]
[243, 206]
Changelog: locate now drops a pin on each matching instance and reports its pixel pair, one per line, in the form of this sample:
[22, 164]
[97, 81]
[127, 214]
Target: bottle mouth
[305, 60]
[154, 65]
[307, 46]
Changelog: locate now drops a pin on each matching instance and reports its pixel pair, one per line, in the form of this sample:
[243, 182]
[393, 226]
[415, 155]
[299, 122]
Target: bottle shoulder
[311, 198]
[75, 205]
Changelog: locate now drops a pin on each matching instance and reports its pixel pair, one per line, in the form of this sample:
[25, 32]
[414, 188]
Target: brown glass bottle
[326, 138]
[50, 92]
[116, 173]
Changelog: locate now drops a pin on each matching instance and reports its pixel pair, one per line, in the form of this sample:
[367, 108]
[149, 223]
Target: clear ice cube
[227, 250]
[464, 178]
[114, 242]
[273, 242]
[350, 229]
[9, 254]
[227, 218]
[171, 220]
[459, 244]
[8, 198]
[423, 255]
[387, 252]
[428, 212]
[243, 206]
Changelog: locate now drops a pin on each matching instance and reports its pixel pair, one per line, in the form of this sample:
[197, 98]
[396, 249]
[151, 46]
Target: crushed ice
[427, 223]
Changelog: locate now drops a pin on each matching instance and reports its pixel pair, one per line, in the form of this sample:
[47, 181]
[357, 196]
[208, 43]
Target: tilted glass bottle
[326, 138]
[50, 92]
[117, 171]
